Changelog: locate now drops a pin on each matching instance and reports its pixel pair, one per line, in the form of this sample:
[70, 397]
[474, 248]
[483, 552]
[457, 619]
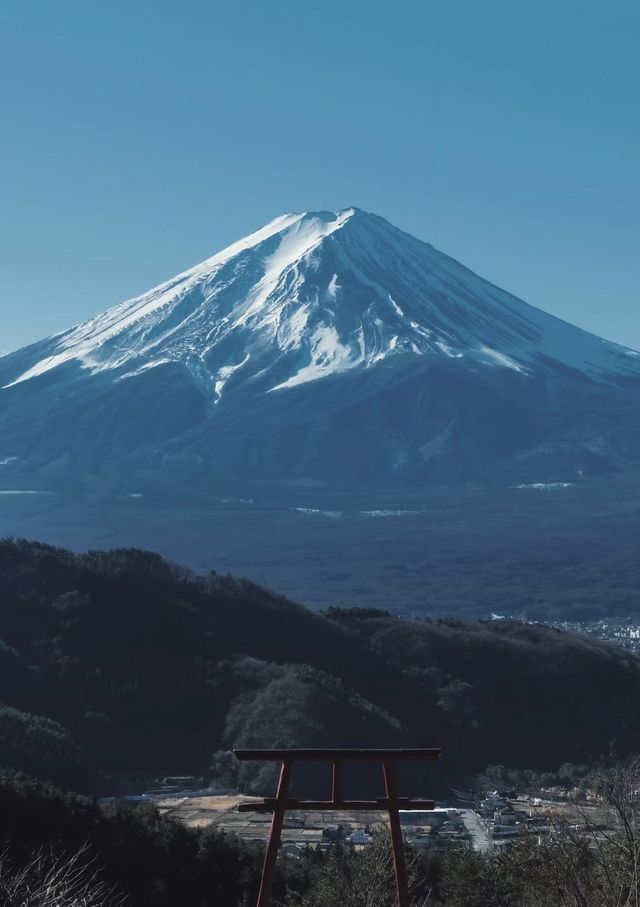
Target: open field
[299, 828]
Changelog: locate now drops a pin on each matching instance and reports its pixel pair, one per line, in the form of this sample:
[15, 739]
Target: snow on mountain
[325, 348]
[314, 295]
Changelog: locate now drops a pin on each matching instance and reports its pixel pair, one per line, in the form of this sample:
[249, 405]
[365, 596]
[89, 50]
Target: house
[359, 836]
[432, 817]
[507, 816]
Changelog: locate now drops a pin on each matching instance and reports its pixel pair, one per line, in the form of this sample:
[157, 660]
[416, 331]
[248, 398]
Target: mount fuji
[325, 349]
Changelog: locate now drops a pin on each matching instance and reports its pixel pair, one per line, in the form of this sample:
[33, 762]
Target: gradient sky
[140, 136]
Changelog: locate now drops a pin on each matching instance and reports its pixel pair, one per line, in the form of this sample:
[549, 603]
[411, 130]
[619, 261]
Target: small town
[619, 631]
[486, 822]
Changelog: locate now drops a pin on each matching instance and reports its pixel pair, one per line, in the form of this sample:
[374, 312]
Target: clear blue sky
[140, 136]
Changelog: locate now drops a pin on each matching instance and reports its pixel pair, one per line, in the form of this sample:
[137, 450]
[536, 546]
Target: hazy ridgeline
[118, 666]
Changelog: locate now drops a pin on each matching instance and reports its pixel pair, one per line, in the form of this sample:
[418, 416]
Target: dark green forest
[154, 862]
[118, 666]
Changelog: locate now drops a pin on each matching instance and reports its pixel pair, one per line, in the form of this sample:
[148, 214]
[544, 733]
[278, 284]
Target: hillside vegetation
[119, 665]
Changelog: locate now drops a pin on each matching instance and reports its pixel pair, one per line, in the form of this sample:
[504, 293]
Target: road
[477, 831]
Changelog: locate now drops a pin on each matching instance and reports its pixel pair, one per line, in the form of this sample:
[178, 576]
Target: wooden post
[397, 843]
[337, 793]
[274, 835]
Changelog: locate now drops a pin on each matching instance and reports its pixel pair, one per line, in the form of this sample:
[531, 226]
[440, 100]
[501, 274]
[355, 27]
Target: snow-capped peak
[312, 295]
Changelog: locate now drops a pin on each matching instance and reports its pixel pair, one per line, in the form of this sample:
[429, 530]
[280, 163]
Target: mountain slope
[324, 346]
[325, 292]
[151, 669]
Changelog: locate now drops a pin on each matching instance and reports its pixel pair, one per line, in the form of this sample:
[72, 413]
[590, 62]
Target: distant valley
[541, 553]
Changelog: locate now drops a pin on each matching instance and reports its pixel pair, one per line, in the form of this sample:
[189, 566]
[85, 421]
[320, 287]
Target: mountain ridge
[326, 346]
[152, 669]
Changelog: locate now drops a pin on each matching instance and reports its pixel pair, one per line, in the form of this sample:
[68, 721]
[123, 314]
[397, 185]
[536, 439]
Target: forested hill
[118, 662]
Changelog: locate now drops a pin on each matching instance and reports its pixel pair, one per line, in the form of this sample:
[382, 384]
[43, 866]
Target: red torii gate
[336, 758]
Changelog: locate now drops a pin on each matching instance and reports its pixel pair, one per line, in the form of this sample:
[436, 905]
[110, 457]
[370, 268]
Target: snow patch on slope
[328, 356]
[225, 373]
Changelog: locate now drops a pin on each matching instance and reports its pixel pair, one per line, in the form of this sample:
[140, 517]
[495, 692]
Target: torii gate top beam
[430, 754]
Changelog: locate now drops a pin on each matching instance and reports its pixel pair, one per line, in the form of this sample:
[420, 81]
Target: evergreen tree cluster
[117, 667]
